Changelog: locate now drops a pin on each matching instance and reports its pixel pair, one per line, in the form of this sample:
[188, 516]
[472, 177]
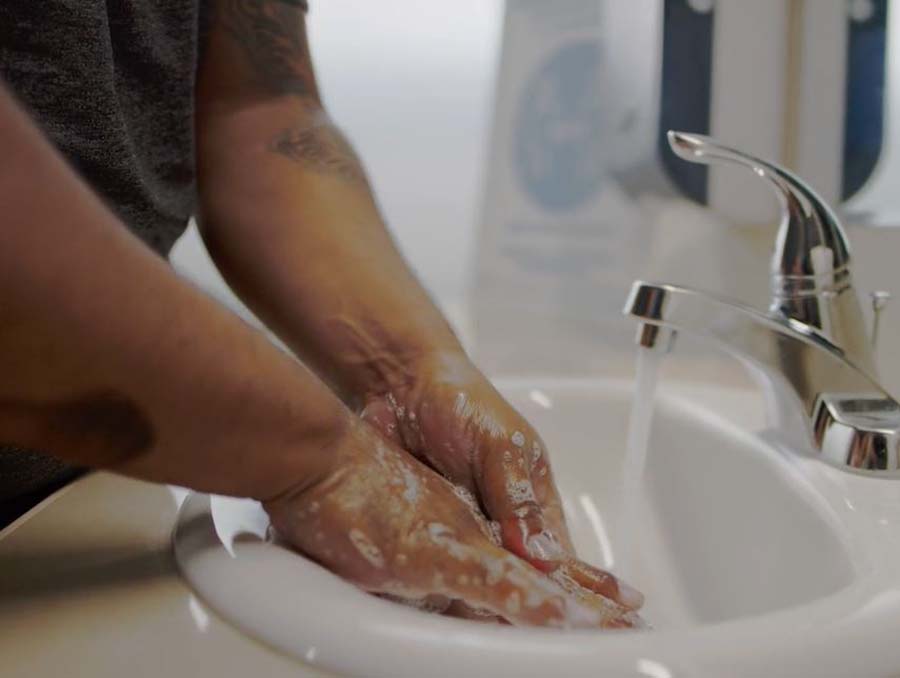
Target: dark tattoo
[272, 36]
[319, 148]
[103, 427]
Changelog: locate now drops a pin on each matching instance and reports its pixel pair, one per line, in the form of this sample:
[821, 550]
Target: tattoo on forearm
[105, 427]
[319, 148]
[272, 36]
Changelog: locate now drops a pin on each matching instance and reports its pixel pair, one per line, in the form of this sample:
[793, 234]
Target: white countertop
[89, 588]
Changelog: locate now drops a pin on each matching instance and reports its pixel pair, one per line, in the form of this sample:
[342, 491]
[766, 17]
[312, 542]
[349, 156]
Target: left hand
[450, 416]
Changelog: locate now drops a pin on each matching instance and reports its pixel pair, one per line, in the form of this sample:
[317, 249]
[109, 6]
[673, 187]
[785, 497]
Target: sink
[727, 527]
[754, 560]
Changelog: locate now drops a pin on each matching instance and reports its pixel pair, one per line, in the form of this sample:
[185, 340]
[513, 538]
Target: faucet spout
[813, 387]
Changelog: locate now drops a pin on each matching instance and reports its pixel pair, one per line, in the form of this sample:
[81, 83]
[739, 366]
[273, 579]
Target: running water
[647, 371]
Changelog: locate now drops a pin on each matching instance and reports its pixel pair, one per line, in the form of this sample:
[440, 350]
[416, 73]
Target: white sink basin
[753, 561]
[727, 528]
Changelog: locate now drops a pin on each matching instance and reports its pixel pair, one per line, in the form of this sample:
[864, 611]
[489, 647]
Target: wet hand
[452, 418]
[388, 523]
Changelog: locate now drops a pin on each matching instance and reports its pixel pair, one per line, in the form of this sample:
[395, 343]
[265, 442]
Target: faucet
[809, 351]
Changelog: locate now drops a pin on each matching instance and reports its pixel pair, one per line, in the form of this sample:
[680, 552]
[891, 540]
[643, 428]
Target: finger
[547, 495]
[380, 415]
[571, 570]
[601, 582]
[584, 574]
[509, 498]
[520, 494]
[488, 528]
[460, 610]
[490, 578]
[434, 603]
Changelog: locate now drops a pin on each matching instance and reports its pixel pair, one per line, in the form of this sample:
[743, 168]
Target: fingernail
[578, 615]
[636, 621]
[544, 546]
[630, 596]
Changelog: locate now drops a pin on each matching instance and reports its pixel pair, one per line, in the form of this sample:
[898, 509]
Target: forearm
[110, 360]
[302, 241]
[288, 215]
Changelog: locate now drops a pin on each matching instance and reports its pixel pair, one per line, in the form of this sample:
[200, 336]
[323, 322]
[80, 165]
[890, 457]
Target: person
[378, 449]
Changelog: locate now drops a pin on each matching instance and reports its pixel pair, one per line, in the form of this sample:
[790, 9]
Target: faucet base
[857, 431]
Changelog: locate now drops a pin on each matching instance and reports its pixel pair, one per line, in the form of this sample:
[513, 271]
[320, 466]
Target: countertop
[90, 588]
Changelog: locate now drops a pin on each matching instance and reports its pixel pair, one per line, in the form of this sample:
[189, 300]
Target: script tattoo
[272, 35]
[319, 148]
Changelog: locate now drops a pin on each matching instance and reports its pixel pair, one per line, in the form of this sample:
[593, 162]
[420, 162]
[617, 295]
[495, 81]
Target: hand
[391, 525]
[450, 416]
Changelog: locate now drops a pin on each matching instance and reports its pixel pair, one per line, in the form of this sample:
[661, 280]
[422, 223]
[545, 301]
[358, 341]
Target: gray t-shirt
[111, 83]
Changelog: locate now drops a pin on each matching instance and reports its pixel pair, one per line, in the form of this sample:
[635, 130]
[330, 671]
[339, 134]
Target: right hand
[386, 522]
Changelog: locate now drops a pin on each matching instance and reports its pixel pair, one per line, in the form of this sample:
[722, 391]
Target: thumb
[508, 494]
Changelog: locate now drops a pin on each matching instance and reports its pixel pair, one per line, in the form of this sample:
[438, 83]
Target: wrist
[380, 363]
[309, 457]
[352, 445]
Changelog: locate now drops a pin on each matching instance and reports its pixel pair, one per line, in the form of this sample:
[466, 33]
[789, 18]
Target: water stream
[634, 467]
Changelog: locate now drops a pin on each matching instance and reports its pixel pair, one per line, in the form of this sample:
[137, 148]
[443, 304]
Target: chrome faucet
[810, 351]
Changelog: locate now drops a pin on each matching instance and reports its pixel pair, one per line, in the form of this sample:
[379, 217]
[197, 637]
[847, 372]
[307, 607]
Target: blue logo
[558, 135]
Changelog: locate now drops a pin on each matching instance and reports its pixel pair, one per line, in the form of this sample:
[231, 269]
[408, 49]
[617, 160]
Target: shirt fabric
[111, 83]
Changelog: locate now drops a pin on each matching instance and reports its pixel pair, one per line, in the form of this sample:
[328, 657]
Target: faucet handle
[811, 247]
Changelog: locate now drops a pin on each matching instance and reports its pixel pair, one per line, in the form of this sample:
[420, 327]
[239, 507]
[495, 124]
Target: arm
[110, 360]
[289, 218]
[287, 213]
